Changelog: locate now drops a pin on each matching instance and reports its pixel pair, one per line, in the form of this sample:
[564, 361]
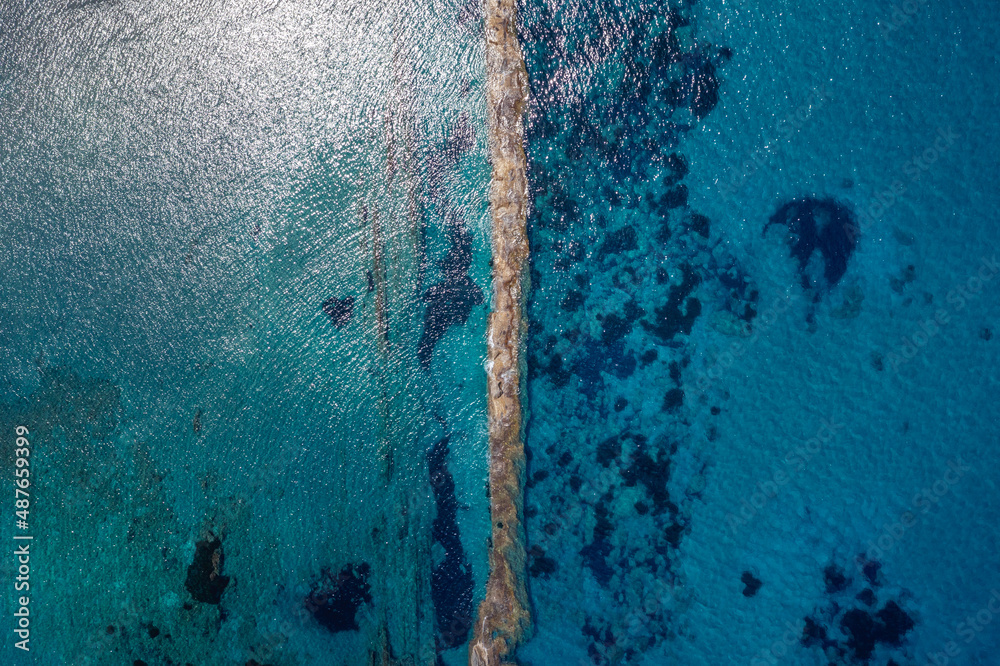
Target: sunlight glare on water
[222, 222]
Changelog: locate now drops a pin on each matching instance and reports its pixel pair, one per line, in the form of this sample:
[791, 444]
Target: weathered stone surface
[504, 616]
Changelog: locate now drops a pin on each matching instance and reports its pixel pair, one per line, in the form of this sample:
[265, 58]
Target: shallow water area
[264, 331]
[232, 239]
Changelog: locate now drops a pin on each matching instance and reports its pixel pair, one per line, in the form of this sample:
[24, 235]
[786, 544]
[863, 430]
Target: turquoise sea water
[762, 353]
[245, 255]
[193, 194]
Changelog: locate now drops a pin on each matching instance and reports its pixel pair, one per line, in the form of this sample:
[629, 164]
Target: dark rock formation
[205, 581]
[677, 315]
[653, 474]
[814, 634]
[699, 224]
[574, 299]
[616, 242]
[675, 197]
[540, 565]
[751, 584]
[450, 302]
[614, 328]
[862, 632]
[339, 310]
[595, 358]
[835, 579]
[596, 552]
[851, 629]
[673, 400]
[704, 90]
[334, 599]
[451, 579]
[608, 451]
[821, 225]
[678, 169]
[742, 295]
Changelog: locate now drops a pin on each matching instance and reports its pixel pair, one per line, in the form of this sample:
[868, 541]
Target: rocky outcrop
[204, 580]
[504, 618]
[335, 598]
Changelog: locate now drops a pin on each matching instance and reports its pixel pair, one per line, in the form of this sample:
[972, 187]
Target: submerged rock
[848, 624]
[623, 240]
[451, 580]
[595, 358]
[339, 310]
[835, 579]
[653, 474]
[818, 225]
[596, 552]
[334, 600]
[205, 581]
[677, 315]
[705, 90]
[751, 584]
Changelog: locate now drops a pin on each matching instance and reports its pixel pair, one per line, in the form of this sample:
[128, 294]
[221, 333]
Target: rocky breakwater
[503, 616]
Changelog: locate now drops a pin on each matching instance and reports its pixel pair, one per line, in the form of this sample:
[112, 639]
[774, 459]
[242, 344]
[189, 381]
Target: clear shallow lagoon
[245, 277]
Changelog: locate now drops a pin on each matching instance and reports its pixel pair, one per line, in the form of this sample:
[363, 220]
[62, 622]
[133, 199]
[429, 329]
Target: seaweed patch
[820, 227]
[334, 600]
[450, 302]
[451, 578]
